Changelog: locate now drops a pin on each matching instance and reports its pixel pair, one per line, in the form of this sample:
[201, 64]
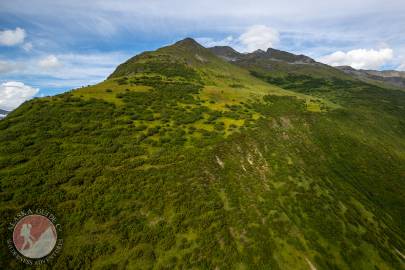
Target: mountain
[3, 113]
[390, 77]
[277, 55]
[276, 64]
[229, 54]
[195, 158]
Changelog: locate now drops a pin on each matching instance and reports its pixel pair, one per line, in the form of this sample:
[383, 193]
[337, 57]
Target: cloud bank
[359, 58]
[12, 94]
[48, 62]
[7, 66]
[12, 37]
[259, 37]
[253, 38]
[65, 70]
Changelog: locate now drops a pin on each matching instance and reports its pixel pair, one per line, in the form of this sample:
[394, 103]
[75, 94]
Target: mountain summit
[194, 158]
[183, 54]
[188, 42]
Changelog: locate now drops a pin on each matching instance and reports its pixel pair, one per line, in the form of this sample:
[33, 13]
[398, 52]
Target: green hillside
[182, 160]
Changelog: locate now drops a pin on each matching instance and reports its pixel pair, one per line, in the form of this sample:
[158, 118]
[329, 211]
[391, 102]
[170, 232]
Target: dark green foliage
[236, 85]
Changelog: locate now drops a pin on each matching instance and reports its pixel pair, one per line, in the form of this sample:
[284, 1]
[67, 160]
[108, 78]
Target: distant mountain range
[277, 60]
[230, 54]
[3, 113]
[390, 77]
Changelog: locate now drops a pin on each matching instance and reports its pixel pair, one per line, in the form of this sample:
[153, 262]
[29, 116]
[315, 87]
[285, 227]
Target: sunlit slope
[180, 160]
[188, 61]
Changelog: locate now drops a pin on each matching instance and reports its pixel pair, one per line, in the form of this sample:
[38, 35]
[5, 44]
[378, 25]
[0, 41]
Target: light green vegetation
[107, 91]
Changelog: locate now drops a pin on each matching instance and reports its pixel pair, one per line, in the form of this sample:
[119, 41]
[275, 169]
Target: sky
[51, 46]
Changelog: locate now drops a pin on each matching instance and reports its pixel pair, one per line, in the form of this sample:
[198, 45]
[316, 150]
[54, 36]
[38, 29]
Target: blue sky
[49, 46]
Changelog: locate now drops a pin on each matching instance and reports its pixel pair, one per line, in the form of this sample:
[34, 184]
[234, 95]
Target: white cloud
[12, 94]
[11, 66]
[84, 67]
[51, 61]
[65, 66]
[359, 58]
[27, 46]
[12, 37]
[6, 66]
[259, 37]
[73, 70]
[366, 21]
[191, 9]
[254, 38]
[210, 42]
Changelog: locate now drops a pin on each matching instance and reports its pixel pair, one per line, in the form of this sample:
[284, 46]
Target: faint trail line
[400, 254]
[310, 264]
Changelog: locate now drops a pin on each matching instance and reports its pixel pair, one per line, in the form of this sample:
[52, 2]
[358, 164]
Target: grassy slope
[200, 165]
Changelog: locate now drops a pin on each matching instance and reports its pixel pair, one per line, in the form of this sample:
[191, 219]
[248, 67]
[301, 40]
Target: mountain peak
[188, 42]
[229, 54]
[258, 51]
[345, 68]
[174, 57]
[288, 57]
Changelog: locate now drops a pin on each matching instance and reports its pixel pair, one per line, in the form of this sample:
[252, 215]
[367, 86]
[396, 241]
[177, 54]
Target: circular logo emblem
[34, 236]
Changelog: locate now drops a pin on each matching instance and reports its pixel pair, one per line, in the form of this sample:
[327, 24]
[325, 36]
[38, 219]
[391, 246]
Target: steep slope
[183, 160]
